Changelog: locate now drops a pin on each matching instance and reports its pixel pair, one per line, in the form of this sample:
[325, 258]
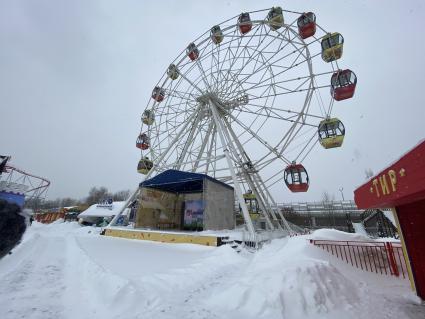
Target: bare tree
[97, 194]
[121, 195]
[368, 172]
[327, 198]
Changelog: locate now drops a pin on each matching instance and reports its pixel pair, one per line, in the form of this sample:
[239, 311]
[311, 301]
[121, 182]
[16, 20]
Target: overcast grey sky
[76, 75]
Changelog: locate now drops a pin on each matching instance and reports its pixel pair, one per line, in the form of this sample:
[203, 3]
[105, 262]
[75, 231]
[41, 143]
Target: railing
[385, 258]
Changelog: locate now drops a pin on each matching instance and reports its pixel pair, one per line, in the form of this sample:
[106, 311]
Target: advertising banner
[193, 218]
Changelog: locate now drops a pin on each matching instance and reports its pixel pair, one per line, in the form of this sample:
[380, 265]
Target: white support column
[238, 190]
[127, 202]
[204, 144]
[188, 142]
[262, 199]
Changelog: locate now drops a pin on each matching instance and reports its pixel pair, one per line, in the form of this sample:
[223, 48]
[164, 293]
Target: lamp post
[342, 192]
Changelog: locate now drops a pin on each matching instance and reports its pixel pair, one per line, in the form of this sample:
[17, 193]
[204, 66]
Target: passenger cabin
[192, 51]
[245, 23]
[343, 84]
[332, 45]
[296, 178]
[143, 142]
[216, 34]
[275, 18]
[306, 25]
[148, 117]
[251, 203]
[173, 72]
[331, 133]
[158, 94]
[144, 166]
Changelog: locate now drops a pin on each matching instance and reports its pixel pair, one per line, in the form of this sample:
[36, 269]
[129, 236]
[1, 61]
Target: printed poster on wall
[193, 218]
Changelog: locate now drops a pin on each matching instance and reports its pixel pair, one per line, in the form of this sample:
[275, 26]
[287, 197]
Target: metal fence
[385, 258]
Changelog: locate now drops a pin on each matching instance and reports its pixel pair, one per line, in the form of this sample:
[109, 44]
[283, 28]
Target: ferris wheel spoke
[279, 60]
[238, 54]
[189, 141]
[255, 86]
[285, 111]
[254, 57]
[251, 57]
[258, 138]
[275, 75]
[313, 142]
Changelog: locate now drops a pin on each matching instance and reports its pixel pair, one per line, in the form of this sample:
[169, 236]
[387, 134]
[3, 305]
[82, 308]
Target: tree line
[95, 195]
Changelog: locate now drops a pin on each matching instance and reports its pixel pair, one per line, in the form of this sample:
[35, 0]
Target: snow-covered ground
[65, 271]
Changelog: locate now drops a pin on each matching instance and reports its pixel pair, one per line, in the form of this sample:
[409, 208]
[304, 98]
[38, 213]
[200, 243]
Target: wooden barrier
[164, 237]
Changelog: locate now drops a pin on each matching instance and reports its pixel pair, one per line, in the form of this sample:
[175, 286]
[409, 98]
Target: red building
[401, 187]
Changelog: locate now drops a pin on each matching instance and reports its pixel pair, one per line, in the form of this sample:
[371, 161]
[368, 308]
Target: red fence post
[391, 259]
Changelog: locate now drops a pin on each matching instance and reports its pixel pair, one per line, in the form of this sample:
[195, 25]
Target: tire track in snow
[35, 287]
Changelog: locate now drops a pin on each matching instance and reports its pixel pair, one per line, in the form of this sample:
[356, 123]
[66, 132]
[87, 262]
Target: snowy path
[64, 271]
[36, 282]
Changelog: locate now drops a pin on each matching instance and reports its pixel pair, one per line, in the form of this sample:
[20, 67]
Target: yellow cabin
[148, 117]
[331, 133]
[144, 166]
[332, 45]
[275, 18]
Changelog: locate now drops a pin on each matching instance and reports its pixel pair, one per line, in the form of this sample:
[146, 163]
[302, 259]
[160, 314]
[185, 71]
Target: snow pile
[283, 281]
[333, 234]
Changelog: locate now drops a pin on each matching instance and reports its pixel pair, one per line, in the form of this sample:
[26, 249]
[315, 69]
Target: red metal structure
[296, 178]
[32, 186]
[401, 186]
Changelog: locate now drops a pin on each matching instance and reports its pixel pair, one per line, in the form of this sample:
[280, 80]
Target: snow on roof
[390, 216]
[97, 210]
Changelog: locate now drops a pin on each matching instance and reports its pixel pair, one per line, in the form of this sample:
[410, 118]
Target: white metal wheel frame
[244, 110]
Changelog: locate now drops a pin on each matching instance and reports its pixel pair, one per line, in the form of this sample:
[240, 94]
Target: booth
[107, 209]
[176, 200]
[401, 187]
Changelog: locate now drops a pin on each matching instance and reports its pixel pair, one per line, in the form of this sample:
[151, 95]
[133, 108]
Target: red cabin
[343, 84]
[192, 51]
[245, 24]
[296, 178]
[143, 142]
[306, 25]
[158, 94]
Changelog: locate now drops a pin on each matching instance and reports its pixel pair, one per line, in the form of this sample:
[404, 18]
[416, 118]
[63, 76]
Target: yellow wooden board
[163, 237]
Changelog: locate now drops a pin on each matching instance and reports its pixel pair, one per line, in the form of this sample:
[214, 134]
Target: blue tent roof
[179, 182]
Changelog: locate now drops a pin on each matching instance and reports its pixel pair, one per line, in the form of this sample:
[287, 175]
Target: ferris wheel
[246, 102]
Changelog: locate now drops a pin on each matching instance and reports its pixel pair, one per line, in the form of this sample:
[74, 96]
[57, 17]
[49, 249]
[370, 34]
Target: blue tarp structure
[179, 182]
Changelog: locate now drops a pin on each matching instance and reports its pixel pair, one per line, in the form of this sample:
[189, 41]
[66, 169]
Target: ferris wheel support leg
[189, 141]
[283, 219]
[204, 144]
[238, 189]
[262, 200]
[127, 202]
[266, 195]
